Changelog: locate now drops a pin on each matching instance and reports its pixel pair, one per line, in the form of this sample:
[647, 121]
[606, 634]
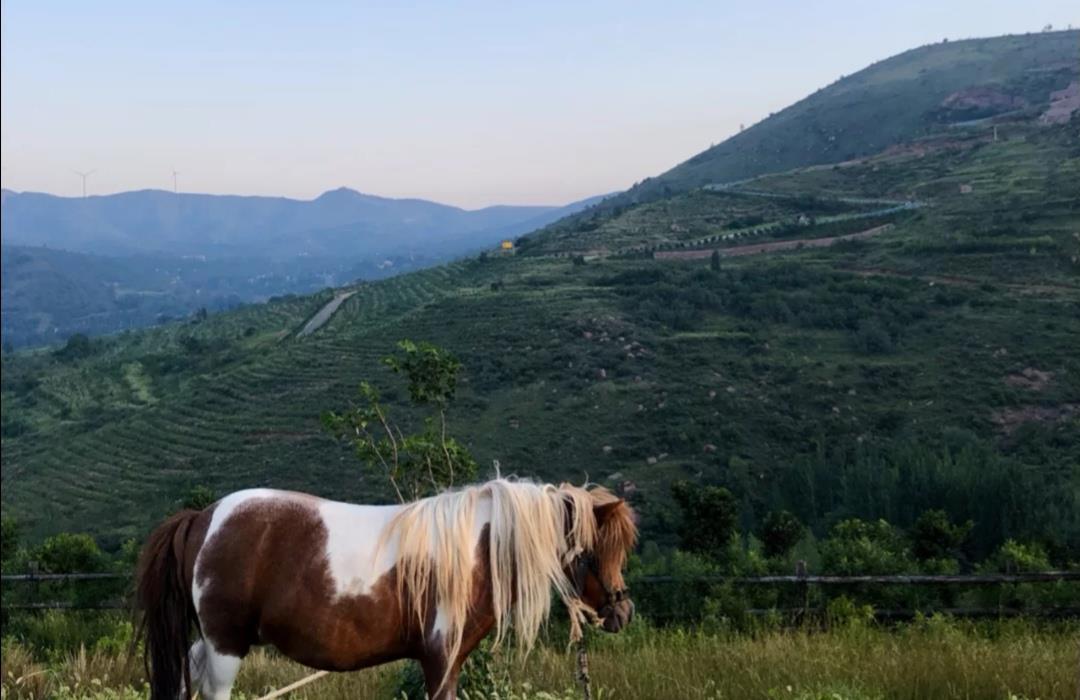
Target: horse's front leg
[441, 681]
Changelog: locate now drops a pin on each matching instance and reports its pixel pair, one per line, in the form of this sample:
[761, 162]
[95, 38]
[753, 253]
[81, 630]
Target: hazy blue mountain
[342, 223]
[109, 263]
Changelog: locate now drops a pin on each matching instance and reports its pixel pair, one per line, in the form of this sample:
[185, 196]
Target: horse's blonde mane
[535, 531]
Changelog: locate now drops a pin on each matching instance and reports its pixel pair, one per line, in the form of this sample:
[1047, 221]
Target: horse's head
[597, 574]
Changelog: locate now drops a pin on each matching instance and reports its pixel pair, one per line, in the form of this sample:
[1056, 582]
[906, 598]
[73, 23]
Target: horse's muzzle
[618, 615]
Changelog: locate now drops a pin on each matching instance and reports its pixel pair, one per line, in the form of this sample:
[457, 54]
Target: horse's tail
[168, 612]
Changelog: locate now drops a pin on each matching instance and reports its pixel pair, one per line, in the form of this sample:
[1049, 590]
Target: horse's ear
[606, 510]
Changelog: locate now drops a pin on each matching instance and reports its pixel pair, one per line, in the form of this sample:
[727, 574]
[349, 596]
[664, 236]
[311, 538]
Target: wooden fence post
[804, 588]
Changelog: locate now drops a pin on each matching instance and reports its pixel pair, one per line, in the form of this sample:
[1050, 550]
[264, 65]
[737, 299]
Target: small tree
[10, 532]
[77, 347]
[872, 339]
[780, 532]
[864, 547]
[709, 517]
[1017, 557]
[934, 536]
[69, 552]
[418, 463]
[199, 498]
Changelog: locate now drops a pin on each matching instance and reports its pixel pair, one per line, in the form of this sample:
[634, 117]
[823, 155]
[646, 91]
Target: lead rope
[581, 612]
[583, 670]
[586, 688]
[287, 689]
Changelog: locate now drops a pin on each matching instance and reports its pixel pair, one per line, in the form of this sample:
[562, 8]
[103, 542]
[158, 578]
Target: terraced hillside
[933, 365]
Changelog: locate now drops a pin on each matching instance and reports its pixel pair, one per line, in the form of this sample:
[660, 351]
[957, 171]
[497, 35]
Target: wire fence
[684, 598]
[803, 596]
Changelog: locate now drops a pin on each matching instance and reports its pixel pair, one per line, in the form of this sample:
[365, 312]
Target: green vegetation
[929, 658]
[709, 516]
[51, 295]
[907, 402]
[416, 464]
[780, 532]
[931, 367]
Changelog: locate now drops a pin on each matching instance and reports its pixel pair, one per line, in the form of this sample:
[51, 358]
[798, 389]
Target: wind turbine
[85, 175]
[175, 188]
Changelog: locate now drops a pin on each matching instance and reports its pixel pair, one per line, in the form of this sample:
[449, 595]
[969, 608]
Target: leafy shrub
[864, 547]
[935, 536]
[872, 339]
[199, 498]
[709, 516]
[77, 347]
[842, 611]
[780, 532]
[9, 538]
[68, 552]
[1015, 557]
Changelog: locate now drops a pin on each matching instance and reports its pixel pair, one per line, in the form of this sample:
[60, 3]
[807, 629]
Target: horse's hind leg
[196, 665]
[216, 672]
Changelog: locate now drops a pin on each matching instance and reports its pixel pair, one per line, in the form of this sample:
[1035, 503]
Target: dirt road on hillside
[323, 315]
[768, 247]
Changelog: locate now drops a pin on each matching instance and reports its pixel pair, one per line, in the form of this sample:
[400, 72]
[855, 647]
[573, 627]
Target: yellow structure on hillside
[507, 245]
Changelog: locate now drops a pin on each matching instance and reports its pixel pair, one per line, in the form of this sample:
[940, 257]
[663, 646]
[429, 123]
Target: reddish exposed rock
[1009, 419]
[1030, 378]
[1063, 104]
[983, 97]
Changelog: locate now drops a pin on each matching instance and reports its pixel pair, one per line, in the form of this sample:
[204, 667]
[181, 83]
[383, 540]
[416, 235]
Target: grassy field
[934, 658]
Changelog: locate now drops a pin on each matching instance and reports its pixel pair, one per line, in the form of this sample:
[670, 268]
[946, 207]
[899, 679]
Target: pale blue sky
[465, 103]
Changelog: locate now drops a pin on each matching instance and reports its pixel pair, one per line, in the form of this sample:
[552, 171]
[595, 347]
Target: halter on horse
[586, 566]
[341, 587]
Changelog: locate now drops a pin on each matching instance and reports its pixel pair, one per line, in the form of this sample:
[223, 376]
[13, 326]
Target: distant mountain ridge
[340, 222]
[108, 263]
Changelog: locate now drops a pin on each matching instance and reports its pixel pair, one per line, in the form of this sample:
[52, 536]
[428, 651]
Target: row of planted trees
[699, 580]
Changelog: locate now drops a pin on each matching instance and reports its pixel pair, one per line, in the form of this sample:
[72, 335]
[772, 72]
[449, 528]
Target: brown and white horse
[341, 587]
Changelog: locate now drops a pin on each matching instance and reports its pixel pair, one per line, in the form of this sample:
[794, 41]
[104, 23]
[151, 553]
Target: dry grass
[264, 671]
[934, 659]
[77, 675]
[913, 664]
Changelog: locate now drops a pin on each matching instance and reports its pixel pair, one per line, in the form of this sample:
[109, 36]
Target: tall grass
[935, 658]
[926, 660]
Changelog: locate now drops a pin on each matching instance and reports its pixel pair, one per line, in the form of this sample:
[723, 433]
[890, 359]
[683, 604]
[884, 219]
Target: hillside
[50, 294]
[892, 101]
[932, 365]
[105, 264]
